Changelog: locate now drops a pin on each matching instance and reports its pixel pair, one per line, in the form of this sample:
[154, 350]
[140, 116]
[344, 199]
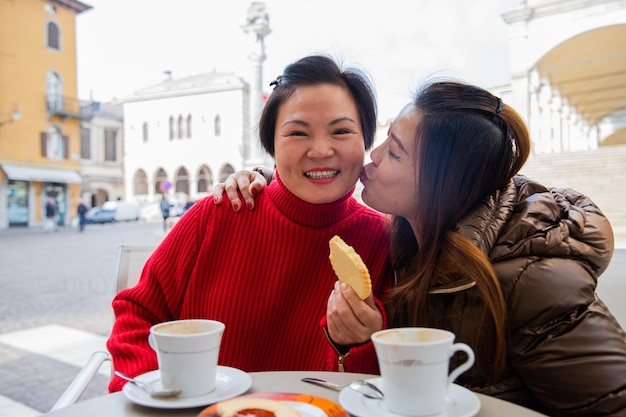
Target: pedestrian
[507, 264]
[187, 206]
[165, 211]
[248, 269]
[51, 213]
[82, 215]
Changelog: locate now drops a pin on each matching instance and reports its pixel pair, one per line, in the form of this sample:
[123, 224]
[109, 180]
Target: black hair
[313, 70]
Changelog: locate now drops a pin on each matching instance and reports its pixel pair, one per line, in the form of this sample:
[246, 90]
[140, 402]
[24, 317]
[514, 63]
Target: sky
[126, 45]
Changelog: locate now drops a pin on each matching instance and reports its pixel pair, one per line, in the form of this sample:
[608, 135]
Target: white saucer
[230, 383]
[461, 403]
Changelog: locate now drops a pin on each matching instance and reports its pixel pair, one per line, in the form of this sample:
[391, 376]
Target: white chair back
[130, 262]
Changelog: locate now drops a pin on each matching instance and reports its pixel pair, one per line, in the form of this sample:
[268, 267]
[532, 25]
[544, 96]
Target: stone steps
[598, 173]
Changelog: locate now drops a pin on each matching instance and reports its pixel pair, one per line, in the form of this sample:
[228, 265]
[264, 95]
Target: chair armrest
[80, 382]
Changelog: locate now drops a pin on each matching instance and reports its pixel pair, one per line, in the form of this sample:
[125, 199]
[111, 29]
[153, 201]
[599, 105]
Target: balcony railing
[66, 107]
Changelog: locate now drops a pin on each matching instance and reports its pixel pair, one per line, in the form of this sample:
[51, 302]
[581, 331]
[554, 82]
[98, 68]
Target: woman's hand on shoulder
[249, 183]
[350, 320]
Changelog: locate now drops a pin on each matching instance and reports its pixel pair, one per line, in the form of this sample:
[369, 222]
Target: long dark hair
[468, 146]
[313, 70]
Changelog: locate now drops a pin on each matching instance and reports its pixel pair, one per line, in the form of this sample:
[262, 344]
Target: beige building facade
[40, 114]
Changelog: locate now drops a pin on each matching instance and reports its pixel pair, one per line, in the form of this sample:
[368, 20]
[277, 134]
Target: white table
[117, 405]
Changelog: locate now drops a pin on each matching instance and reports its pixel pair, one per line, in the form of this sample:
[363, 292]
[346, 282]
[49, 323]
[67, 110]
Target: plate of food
[272, 404]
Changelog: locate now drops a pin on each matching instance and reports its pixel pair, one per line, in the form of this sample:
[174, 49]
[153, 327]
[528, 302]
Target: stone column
[258, 26]
[534, 113]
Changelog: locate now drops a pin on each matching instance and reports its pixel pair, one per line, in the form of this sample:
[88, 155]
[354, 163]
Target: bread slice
[233, 407]
[349, 267]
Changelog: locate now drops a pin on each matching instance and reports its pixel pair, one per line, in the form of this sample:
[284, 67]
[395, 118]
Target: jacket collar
[445, 287]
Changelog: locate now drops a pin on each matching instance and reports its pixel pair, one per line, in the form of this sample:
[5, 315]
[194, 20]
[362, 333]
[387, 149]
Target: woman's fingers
[218, 190]
[246, 184]
[351, 320]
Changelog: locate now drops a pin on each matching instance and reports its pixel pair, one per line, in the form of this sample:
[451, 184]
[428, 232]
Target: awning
[23, 173]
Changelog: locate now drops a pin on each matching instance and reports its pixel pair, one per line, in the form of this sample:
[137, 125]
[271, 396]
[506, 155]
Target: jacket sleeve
[156, 298]
[565, 345]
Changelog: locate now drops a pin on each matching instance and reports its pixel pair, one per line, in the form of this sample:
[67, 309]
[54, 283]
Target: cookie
[349, 267]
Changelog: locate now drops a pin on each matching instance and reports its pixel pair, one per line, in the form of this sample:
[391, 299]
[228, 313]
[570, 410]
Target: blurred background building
[40, 114]
[181, 136]
[102, 153]
[568, 67]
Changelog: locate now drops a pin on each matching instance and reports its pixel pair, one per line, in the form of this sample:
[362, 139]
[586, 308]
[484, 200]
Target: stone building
[101, 153]
[184, 135]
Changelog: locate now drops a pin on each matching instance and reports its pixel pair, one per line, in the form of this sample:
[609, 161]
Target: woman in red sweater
[265, 272]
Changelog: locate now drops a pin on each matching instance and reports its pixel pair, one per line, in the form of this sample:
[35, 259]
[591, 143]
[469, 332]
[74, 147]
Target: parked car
[123, 211]
[100, 215]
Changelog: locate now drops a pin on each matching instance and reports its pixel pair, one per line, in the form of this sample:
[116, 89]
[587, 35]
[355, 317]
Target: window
[54, 91]
[53, 143]
[182, 181]
[53, 36]
[226, 171]
[17, 203]
[140, 183]
[144, 130]
[160, 177]
[172, 130]
[180, 127]
[110, 145]
[188, 126]
[205, 181]
[85, 143]
[218, 126]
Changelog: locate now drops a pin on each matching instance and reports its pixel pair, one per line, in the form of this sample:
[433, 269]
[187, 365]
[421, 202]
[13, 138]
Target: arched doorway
[140, 183]
[182, 181]
[99, 198]
[205, 181]
[225, 172]
[159, 177]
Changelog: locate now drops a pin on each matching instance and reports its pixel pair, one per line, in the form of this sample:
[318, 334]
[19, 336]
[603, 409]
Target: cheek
[285, 152]
[355, 153]
[400, 185]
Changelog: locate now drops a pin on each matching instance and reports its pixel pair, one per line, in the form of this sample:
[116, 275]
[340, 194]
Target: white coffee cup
[187, 353]
[414, 365]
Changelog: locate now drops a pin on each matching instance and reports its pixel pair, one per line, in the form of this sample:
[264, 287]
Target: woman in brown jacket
[508, 265]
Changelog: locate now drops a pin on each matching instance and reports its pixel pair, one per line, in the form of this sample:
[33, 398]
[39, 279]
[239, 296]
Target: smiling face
[319, 146]
[390, 180]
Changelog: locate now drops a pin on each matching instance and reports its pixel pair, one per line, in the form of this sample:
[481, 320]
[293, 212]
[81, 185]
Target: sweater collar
[308, 214]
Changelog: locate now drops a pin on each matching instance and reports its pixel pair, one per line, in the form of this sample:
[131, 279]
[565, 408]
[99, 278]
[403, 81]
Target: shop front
[27, 190]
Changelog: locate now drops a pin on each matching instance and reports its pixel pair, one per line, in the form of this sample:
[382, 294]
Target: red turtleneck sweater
[265, 273]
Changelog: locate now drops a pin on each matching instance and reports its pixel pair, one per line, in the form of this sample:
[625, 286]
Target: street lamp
[16, 115]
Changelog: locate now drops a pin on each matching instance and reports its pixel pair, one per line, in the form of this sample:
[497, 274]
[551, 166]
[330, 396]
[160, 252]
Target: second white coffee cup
[414, 365]
[187, 353]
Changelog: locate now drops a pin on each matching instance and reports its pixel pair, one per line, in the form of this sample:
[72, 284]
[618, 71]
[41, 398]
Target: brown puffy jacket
[566, 351]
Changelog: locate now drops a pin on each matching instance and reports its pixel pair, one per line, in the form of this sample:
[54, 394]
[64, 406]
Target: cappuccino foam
[184, 327]
[413, 336]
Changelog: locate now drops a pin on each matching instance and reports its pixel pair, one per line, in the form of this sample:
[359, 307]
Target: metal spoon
[364, 387]
[156, 393]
